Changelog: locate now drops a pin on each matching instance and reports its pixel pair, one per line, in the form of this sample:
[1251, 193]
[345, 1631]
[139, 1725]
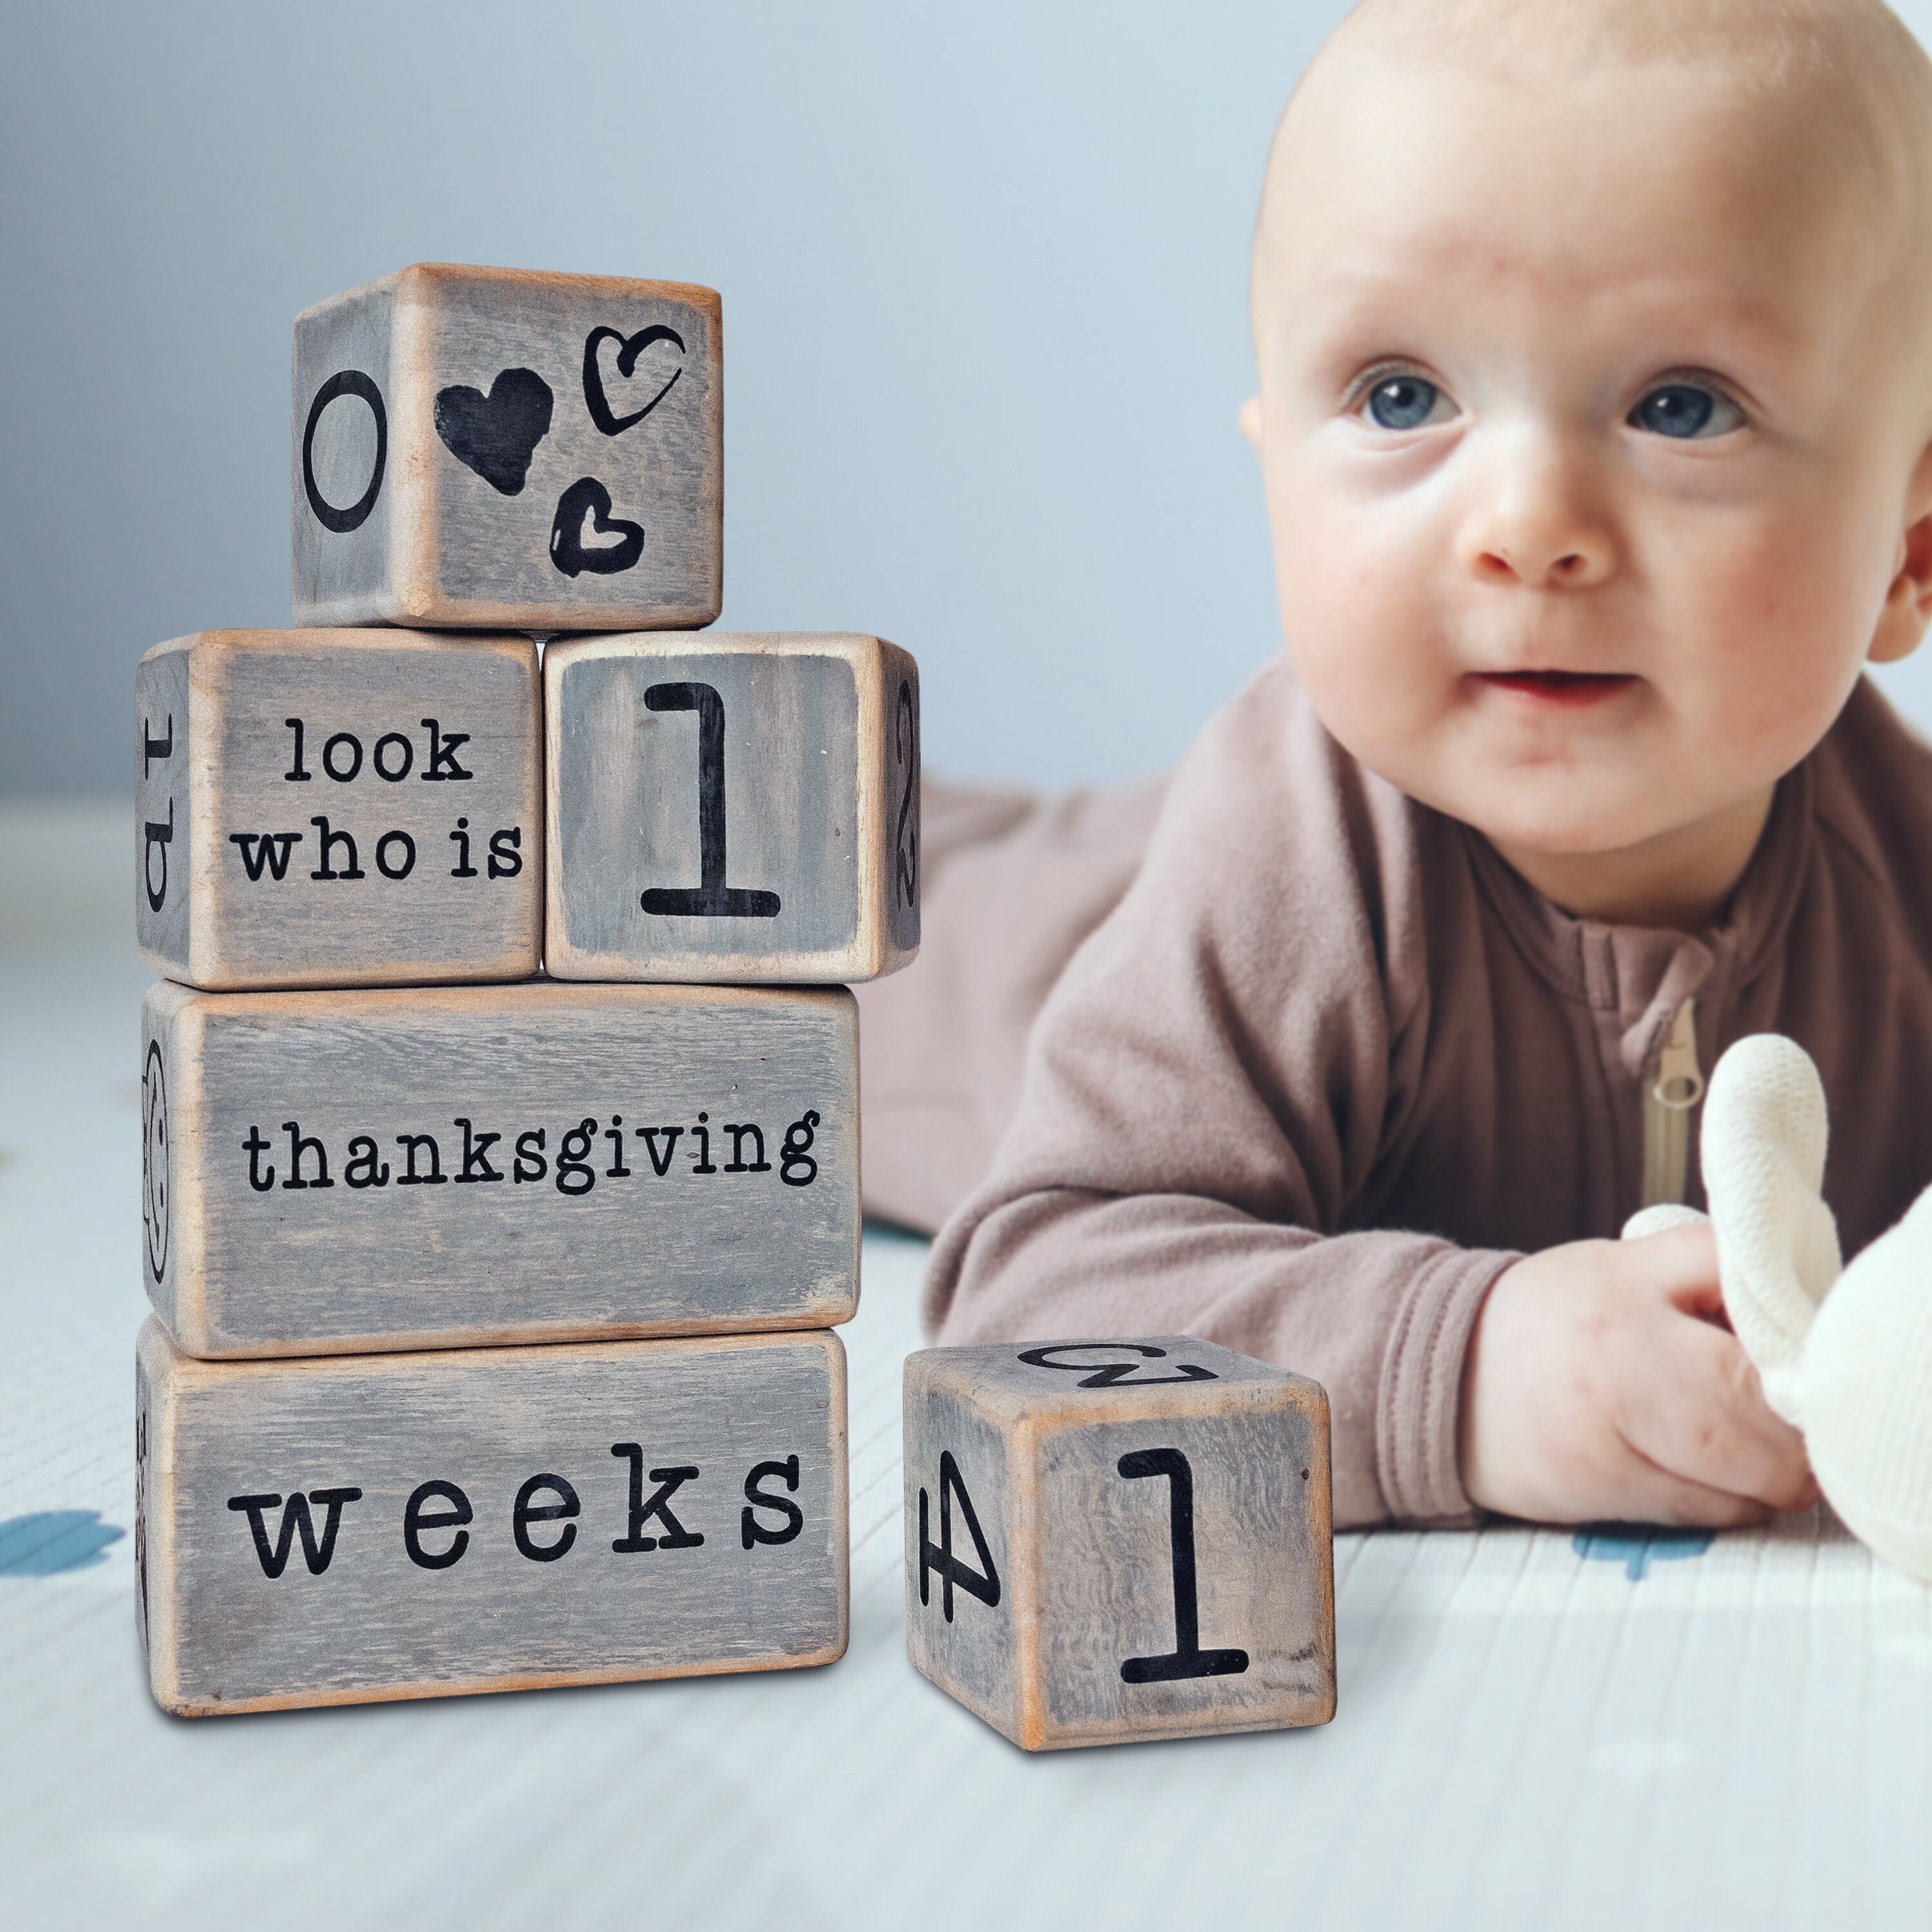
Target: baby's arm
[1599, 1385]
[1216, 1095]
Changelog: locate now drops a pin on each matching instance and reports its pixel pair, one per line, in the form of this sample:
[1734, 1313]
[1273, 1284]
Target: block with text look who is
[491, 448]
[335, 1173]
[1108, 1541]
[369, 1527]
[338, 807]
[731, 808]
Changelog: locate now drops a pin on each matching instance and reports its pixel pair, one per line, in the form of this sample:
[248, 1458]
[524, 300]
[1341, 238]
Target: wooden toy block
[1112, 1541]
[489, 449]
[731, 808]
[366, 1528]
[337, 807]
[336, 1173]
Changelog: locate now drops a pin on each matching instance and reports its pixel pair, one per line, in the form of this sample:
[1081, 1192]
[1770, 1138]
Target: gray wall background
[984, 276]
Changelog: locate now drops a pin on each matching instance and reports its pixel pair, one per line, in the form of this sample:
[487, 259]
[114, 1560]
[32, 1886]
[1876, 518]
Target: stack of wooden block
[501, 1101]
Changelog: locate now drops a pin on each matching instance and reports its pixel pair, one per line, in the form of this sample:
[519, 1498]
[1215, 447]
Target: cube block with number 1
[731, 808]
[1118, 1540]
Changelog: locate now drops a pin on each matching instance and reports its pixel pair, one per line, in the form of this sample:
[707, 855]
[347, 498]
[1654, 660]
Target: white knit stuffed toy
[1845, 1355]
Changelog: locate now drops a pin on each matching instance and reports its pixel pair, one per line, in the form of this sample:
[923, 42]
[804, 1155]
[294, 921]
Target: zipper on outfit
[1677, 1088]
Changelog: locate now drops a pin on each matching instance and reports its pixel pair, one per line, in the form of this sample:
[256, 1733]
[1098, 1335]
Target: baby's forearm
[1381, 1318]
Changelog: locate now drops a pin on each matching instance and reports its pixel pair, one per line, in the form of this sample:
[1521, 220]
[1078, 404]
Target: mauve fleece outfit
[1320, 1065]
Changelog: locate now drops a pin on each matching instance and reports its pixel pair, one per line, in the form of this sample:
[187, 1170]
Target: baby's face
[1591, 443]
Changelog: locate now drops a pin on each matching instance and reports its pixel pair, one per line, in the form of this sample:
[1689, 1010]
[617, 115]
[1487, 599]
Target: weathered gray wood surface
[420, 756]
[489, 448]
[426, 1237]
[492, 1518]
[795, 860]
[1156, 1558]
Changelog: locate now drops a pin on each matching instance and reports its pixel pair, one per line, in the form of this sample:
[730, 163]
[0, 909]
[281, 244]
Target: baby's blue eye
[1403, 402]
[1685, 410]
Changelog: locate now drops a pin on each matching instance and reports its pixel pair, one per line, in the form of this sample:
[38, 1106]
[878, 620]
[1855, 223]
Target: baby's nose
[1533, 526]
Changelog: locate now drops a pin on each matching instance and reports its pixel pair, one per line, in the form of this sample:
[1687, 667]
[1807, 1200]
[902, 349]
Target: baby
[1595, 349]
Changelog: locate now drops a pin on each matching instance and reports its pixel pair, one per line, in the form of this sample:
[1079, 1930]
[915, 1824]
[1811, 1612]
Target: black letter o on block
[346, 383]
[408, 845]
[409, 757]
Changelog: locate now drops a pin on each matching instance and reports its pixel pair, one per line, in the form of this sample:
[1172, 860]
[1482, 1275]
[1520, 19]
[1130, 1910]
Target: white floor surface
[1536, 1729]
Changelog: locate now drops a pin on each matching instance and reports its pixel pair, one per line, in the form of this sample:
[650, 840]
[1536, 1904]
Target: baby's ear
[1763, 1158]
[1250, 417]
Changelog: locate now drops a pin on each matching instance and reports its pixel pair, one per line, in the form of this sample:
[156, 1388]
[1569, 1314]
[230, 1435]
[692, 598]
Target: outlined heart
[586, 502]
[629, 348]
[496, 435]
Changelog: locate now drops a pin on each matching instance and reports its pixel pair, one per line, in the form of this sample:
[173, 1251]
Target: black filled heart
[496, 435]
[629, 348]
[584, 509]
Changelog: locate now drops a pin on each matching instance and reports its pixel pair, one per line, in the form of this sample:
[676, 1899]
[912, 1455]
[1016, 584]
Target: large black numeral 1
[712, 897]
[1186, 1659]
[983, 1582]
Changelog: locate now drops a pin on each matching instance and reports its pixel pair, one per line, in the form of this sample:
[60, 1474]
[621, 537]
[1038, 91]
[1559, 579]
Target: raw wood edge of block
[419, 601]
[169, 1012]
[400, 1694]
[574, 995]
[508, 969]
[157, 1356]
[423, 277]
[209, 1344]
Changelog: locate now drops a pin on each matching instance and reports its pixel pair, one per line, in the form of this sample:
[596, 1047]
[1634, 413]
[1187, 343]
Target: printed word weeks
[437, 1518]
[573, 1163]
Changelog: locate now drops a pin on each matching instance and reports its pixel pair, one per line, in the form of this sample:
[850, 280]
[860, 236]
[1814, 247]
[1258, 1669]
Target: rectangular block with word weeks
[338, 807]
[492, 449]
[731, 808]
[1111, 1541]
[335, 1173]
[363, 1528]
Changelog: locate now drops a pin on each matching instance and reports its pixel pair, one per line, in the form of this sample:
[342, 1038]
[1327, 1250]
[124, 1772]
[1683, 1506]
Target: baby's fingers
[1701, 1417]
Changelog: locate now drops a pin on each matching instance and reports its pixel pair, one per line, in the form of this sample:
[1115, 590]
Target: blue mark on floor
[49, 1541]
[1636, 1545]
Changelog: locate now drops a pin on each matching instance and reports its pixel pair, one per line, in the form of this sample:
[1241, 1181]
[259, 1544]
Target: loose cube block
[1111, 1541]
[731, 808]
[337, 807]
[340, 1172]
[365, 1528]
[485, 447]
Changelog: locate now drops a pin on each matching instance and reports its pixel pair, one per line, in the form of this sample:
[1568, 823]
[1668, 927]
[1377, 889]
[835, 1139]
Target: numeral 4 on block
[1115, 1541]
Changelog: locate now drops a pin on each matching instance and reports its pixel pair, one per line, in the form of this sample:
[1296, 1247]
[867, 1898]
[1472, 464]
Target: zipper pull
[1676, 1087]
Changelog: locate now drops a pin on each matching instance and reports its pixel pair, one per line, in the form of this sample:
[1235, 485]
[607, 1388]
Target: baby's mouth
[1559, 687]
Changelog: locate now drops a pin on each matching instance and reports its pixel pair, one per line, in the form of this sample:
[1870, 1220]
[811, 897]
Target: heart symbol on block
[585, 507]
[629, 348]
[496, 435]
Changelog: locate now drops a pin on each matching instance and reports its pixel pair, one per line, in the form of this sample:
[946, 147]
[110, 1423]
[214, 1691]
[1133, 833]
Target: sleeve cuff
[1418, 1410]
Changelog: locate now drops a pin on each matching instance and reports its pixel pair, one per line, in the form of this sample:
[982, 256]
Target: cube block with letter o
[495, 449]
[1108, 1541]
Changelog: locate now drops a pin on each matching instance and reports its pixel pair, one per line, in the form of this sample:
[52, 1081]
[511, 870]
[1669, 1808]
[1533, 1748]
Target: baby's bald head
[1836, 94]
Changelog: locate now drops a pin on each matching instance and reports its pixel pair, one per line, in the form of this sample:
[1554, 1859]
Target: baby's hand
[1600, 1386]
